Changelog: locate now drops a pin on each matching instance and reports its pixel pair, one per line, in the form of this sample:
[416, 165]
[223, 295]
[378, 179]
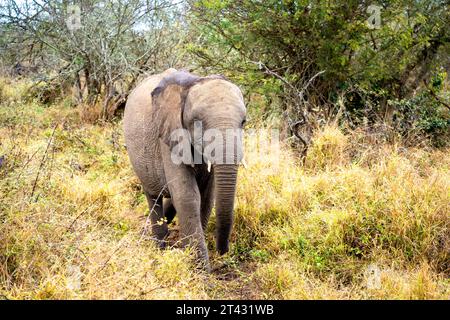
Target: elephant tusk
[209, 166]
[244, 163]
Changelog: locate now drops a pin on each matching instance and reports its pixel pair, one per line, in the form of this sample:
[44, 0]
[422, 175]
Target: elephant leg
[207, 195]
[169, 210]
[159, 226]
[186, 199]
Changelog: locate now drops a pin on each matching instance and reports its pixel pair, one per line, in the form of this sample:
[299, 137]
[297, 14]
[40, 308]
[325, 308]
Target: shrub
[328, 149]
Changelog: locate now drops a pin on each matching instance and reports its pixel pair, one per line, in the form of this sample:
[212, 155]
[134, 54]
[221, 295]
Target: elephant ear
[168, 104]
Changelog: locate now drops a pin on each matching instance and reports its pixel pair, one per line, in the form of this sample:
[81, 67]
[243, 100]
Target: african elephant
[160, 105]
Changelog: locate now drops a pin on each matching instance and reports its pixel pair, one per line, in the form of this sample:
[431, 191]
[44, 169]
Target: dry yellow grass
[301, 232]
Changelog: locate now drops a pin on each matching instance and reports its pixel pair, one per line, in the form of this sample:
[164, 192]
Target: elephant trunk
[225, 177]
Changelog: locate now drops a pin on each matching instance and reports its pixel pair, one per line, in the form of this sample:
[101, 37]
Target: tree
[324, 59]
[100, 46]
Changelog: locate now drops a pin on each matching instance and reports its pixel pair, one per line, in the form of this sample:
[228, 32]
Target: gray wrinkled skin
[189, 192]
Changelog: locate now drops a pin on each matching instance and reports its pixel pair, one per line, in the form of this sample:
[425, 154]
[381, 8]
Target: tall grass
[72, 215]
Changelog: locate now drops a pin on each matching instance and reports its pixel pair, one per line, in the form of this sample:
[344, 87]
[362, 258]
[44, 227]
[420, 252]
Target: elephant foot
[161, 244]
[202, 258]
[160, 239]
[204, 266]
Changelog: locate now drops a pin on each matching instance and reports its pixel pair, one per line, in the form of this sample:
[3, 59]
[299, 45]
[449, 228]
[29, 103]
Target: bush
[314, 55]
[423, 115]
[327, 150]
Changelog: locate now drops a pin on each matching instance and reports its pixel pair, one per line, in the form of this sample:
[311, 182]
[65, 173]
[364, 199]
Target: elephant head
[218, 106]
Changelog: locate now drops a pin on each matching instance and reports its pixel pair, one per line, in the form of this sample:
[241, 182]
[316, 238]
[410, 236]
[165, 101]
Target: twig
[152, 209]
[81, 213]
[309, 82]
[43, 160]
[301, 92]
[109, 258]
[294, 126]
[26, 163]
[272, 73]
[438, 99]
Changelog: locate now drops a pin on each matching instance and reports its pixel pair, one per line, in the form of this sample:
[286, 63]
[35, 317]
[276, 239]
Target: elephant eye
[243, 122]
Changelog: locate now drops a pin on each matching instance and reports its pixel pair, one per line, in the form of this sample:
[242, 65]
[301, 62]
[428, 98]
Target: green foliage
[297, 39]
[425, 112]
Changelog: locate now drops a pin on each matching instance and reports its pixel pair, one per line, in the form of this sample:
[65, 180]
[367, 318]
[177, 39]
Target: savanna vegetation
[355, 205]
